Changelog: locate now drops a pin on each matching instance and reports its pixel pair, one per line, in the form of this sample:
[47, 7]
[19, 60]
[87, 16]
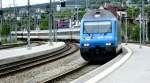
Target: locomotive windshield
[97, 27]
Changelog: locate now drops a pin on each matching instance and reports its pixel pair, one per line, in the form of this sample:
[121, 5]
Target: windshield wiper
[87, 31]
[92, 35]
[105, 33]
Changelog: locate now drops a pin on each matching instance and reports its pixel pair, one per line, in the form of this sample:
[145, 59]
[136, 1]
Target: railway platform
[22, 53]
[131, 68]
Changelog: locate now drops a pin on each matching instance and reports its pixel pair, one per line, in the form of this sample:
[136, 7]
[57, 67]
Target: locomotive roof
[103, 14]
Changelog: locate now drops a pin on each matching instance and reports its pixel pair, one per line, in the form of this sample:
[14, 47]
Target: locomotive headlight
[108, 44]
[87, 38]
[86, 45]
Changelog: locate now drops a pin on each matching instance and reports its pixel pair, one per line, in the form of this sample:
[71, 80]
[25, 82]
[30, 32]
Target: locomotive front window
[97, 27]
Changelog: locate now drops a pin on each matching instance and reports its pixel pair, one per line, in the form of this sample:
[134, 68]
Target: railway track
[11, 45]
[84, 69]
[71, 71]
[67, 73]
[7, 46]
[28, 63]
[68, 68]
[67, 78]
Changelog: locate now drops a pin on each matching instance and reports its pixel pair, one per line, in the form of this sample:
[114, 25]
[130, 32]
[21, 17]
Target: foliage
[139, 1]
[147, 10]
[44, 23]
[67, 13]
[133, 31]
[81, 14]
[133, 11]
[5, 30]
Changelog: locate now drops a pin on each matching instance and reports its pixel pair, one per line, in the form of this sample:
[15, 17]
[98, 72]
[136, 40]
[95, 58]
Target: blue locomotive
[99, 34]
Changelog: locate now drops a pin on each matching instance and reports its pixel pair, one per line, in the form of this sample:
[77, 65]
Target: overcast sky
[8, 3]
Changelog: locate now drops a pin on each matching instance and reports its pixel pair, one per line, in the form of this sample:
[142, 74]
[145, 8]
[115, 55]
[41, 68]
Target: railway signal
[1, 12]
[63, 4]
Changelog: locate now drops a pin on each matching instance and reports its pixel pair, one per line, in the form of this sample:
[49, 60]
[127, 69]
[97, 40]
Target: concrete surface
[135, 70]
[17, 54]
[20, 77]
[98, 74]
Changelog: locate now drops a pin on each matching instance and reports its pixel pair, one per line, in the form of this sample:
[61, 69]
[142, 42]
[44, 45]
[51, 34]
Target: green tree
[81, 14]
[65, 14]
[134, 11]
[140, 1]
[5, 30]
[133, 31]
[44, 23]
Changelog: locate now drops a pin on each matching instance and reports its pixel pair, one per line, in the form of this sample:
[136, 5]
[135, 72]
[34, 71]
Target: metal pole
[147, 27]
[77, 15]
[50, 23]
[126, 26]
[28, 27]
[132, 11]
[1, 24]
[143, 23]
[15, 23]
[144, 34]
[54, 24]
[76, 6]
[87, 4]
[22, 23]
[121, 24]
[140, 31]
